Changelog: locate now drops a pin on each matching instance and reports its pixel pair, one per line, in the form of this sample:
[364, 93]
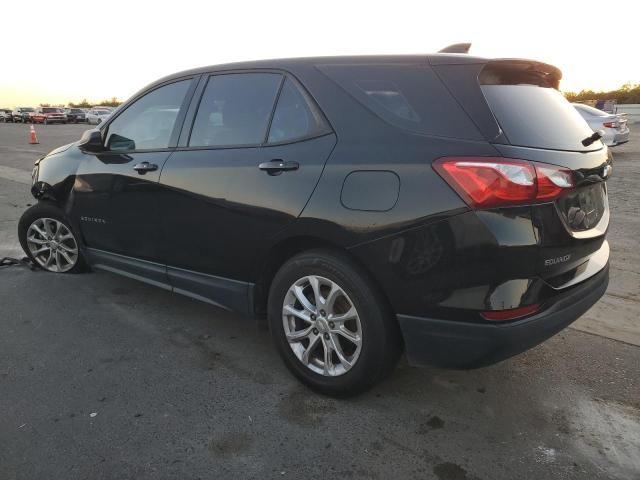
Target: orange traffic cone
[33, 138]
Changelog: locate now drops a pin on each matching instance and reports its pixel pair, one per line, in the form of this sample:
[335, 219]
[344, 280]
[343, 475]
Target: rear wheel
[331, 325]
[48, 239]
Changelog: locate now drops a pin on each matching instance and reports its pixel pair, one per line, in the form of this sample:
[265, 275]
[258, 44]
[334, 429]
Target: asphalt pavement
[102, 377]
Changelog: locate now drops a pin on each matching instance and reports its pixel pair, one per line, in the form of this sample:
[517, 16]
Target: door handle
[276, 167]
[145, 167]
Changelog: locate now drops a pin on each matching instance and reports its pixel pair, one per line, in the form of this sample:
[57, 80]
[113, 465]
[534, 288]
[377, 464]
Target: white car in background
[613, 125]
[96, 116]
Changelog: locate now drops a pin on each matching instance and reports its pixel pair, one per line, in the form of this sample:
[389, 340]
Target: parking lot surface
[104, 377]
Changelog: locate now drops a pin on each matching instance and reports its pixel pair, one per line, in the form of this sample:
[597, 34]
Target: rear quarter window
[407, 96]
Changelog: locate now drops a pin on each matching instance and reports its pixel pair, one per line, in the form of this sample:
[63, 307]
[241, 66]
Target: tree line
[628, 93]
[113, 102]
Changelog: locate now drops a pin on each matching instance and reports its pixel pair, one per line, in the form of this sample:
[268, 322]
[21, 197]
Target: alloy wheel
[322, 326]
[52, 245]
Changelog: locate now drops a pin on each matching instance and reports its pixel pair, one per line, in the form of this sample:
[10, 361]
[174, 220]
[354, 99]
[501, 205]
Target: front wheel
[48, 239]
[331, 325]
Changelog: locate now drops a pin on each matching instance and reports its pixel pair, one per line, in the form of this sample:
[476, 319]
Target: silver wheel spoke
[335, 345]
[315, 285]
[322, 321]
[49, 258]
[328, 302]
[313, 343]
[348, 334]
[39, 241]
[39, 230]
[67, 248]
[328, 363]
[47, 228]
[343, 317]
[65, 256]
[301, 314]
[41, 250]
[299, 334]
[304, 301]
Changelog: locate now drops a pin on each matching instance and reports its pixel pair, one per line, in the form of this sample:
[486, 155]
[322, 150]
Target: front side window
[294, 118]
[149, 121]
[235, 110]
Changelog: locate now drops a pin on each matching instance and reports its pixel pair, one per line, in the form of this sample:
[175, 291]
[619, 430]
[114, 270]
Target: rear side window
[235, 110]
[538, 116]
[408, 96]
[294, 117]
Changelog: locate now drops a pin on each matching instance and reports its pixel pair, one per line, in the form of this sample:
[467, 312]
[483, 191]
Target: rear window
[538, 116]
[51, 110]
[408, 96]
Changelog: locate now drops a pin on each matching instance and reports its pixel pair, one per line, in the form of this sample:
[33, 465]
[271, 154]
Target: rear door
[246, 169]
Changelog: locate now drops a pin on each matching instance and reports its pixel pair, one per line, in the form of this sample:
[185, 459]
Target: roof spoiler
[456, 48]
[513, 71]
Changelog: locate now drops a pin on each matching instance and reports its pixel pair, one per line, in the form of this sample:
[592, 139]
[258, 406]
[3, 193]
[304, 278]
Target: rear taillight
[485, 182]
[610, 124]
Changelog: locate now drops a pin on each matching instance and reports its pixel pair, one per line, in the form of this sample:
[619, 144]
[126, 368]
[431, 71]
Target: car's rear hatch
[517, 106]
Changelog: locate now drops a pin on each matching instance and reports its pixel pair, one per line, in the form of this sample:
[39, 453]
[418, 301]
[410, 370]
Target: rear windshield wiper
[597, 135]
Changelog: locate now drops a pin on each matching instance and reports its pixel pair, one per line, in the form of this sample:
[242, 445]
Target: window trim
[313, 105]
[177, 128]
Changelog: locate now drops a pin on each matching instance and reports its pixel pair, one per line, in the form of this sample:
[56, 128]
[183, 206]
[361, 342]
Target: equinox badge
[554, 261]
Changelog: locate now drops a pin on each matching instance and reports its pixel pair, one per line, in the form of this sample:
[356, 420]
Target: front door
[115, 192]
[247, 172]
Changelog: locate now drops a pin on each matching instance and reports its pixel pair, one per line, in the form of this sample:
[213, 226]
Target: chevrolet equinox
[450, 207]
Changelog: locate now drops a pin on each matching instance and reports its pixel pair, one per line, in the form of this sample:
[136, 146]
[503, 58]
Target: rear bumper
[454, 344]
[622, 137]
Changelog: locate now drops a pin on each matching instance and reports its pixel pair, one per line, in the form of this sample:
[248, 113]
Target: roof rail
[456, 48]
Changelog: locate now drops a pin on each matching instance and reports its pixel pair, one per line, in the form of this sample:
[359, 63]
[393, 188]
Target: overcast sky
[56, 51]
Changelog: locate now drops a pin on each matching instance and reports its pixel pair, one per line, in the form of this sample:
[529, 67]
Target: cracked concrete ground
[104, 377]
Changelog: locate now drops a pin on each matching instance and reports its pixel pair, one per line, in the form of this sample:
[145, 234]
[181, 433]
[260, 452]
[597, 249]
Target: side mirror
[91, 141]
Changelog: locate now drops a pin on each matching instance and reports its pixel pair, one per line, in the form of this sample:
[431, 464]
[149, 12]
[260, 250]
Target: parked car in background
[6, 115]
[614, 126]
[75, 115]
[22, 114]
[96, 116]
[47, 115]
[363, 205]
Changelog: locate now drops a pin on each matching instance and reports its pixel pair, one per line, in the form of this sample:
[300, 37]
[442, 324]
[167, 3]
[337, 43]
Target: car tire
[47, 238]
[362, 350]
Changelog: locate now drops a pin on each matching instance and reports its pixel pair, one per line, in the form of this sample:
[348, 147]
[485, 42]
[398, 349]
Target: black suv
[450, 207]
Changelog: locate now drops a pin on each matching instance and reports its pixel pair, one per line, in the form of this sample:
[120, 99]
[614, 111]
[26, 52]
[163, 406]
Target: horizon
[113, 61]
